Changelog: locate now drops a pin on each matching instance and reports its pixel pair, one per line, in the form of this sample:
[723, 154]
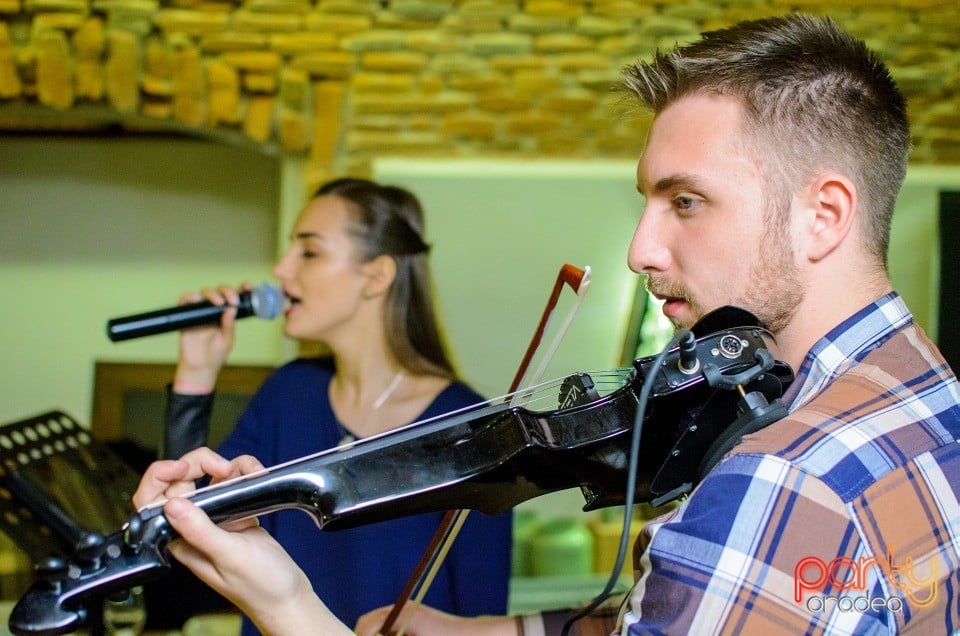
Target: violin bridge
[577, 389]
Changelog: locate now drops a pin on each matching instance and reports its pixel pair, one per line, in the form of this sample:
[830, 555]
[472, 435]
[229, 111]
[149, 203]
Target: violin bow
[425, 571]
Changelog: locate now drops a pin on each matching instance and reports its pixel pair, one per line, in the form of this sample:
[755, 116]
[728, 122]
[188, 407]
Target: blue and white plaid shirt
[842, 518]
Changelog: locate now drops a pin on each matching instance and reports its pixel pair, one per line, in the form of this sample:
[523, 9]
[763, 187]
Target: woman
[357, 279]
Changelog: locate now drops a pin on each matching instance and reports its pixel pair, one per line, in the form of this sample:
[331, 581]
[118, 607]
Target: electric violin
[569, 433]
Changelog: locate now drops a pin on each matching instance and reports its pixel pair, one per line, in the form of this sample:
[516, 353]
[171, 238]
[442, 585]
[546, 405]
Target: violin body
[567, 434]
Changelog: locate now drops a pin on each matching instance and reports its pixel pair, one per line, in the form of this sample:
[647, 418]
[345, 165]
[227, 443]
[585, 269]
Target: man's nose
[648, 250]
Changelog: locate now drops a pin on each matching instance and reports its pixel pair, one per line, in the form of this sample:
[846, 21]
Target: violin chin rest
[39, 613]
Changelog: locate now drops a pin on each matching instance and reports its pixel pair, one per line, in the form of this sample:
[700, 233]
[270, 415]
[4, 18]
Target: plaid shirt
[842, 518]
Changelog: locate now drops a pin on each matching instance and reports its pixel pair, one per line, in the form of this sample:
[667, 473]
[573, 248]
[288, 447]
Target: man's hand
[239, 560]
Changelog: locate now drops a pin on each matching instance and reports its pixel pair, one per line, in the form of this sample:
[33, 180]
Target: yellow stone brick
[157, 86]
[255, 61]
[469, 125]
[260, 82]
[331, 64]
[57, 21]
[190, 22]
[143, 8]
[377, 122]
[421, 122]
[158, 59]
[189, 97]
[258, 122]
[223, 82]
[560, 42]
[88, 79]
[54, 78]
[573, 101]
[244, 20]
[373, 40]
[351, 7]
[382, 82]
[10, 85]
[278, 6]
[293, 130]
[430, 83]
[531, 82]
[393, 61]
[501, 102]
[553, 8]
[518, 62]
[337, 23]
[10, 6]
[89, 39]
[156, 110]
[430, 41]
[327, 109]
[444, 102]
[532, 123]
[232, 41]
[294, 90]
[407, 142]
[481, 82]
[572, 62]
[220, 75]
[305, 42]
[122, 69]
[71, 6]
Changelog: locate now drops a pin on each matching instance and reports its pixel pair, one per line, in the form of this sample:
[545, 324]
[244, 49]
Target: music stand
[58, 483]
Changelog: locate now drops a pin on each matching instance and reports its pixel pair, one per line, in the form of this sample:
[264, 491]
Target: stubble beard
[773, 293]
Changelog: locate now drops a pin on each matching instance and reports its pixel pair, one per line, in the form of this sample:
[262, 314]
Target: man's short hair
[815, 97]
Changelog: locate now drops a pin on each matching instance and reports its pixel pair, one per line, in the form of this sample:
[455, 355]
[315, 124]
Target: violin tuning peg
[51, 570]
[90, 549]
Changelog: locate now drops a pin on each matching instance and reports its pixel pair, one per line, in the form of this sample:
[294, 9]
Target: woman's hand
[204, 350]
[239, 560]
[427, 621]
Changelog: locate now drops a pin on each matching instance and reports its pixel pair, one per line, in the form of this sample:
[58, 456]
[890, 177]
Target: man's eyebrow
[672, 183]
[676, 182]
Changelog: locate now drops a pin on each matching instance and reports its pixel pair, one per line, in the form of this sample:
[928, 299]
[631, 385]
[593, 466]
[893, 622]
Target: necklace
[347, 436]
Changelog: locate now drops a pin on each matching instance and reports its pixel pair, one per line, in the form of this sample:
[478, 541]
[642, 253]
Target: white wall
[94, 228]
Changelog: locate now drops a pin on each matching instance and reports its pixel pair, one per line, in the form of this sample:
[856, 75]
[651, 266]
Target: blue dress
[356, 570]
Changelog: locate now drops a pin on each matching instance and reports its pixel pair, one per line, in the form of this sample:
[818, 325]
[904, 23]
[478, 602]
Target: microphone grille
[267, 300]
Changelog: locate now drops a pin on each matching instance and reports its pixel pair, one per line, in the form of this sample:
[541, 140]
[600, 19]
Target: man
[770, 174]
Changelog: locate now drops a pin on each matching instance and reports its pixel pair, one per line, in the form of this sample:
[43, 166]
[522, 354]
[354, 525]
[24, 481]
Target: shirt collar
[846, 343]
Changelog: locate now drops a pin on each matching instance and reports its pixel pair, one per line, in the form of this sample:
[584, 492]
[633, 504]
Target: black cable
[642, 400]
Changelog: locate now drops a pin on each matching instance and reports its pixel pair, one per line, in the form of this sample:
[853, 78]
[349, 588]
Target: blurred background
[151, 147]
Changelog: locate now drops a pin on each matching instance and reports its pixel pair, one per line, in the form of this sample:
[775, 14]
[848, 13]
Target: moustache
[663, 288]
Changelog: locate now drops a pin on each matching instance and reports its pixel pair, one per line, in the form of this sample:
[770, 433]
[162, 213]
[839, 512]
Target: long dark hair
[388, 220]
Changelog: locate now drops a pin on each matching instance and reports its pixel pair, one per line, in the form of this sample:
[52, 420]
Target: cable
[631, 483]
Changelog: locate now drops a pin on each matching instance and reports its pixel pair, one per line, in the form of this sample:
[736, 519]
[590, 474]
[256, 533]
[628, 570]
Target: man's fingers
[157, 478]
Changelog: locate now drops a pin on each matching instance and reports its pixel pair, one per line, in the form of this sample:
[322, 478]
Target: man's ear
[380, 274]
[832, 205]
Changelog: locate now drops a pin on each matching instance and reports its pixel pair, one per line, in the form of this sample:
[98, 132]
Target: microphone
[263, 301]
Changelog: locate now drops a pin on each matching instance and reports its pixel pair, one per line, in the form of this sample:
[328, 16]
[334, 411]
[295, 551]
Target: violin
[568, 433]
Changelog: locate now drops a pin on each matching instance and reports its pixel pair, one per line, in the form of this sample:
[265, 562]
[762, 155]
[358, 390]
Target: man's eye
[684, 203]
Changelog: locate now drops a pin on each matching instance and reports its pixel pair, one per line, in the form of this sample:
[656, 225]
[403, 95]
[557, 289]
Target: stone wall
[342, 81]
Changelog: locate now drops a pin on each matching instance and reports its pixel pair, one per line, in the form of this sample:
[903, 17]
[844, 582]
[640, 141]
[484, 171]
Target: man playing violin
[769, 177]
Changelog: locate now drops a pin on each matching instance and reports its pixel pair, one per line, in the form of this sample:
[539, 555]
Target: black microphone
[263, 301]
